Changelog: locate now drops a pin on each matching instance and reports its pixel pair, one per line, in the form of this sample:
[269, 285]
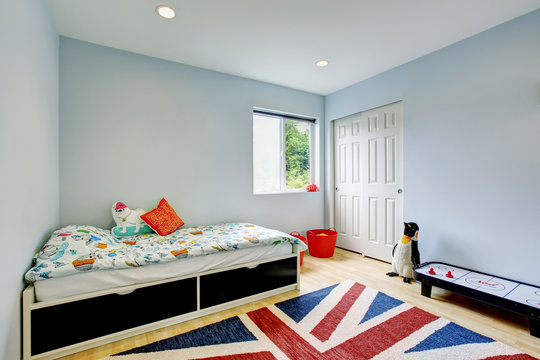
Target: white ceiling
[279, 41]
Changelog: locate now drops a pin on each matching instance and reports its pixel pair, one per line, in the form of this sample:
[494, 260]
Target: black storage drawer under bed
[61, 325]
[222, 287]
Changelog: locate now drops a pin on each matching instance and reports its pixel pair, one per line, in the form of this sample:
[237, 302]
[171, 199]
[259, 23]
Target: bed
[88, 288]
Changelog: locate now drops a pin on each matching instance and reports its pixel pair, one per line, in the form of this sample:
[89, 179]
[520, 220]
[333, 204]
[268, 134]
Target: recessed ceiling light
[322, 63]
[166, 11]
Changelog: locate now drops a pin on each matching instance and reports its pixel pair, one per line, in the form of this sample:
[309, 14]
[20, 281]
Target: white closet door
[368, 150]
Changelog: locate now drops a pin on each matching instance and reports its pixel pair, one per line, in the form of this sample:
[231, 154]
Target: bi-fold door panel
[368, 178]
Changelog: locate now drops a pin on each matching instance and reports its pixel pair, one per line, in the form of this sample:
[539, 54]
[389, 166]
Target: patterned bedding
[77, 248]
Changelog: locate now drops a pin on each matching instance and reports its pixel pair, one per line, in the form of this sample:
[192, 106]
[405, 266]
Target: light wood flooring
[317, 273]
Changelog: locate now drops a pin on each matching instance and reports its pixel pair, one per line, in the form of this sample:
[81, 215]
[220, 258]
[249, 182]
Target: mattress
[56, 288]
[76, 249]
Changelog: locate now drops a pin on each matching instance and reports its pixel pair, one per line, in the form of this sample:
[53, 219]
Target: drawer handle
[127, 292]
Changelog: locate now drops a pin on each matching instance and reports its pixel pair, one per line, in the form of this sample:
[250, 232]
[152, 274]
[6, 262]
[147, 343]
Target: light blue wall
[471, 148]
[135, 128]
[29, 181]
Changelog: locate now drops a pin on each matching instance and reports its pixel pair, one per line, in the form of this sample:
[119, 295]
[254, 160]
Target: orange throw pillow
[163, 219]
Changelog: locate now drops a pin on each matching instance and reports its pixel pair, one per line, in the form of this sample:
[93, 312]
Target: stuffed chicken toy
[405, 255]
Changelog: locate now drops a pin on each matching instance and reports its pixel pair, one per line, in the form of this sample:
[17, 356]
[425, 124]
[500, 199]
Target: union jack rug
[347, 321]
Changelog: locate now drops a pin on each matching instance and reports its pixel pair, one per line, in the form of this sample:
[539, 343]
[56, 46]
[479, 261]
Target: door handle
[399, 191]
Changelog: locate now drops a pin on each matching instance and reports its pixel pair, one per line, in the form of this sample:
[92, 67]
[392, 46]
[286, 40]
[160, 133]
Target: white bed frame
[30, 307]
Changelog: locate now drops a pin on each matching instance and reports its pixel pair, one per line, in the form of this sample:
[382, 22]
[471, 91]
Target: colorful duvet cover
[77, 248]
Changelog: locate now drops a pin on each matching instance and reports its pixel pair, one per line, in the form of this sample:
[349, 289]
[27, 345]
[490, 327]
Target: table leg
[426, 290]
[534, 327]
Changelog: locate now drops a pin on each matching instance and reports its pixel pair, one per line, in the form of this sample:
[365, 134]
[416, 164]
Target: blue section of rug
[224, 332]
[450, 335]
[381, 304]
[299, 307]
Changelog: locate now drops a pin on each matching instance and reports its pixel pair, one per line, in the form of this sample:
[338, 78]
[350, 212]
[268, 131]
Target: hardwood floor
[317, 273]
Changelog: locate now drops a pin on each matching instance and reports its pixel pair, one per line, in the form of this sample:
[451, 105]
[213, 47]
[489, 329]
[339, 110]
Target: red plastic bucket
[296, 234]
[321, 242]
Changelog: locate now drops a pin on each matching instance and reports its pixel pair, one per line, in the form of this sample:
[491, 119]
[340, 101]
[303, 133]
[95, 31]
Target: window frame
[313, 149]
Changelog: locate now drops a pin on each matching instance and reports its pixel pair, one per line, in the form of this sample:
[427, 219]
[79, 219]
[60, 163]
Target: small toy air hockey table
[507, 294]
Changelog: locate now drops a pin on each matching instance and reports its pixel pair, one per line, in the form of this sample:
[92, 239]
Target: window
[283, 152]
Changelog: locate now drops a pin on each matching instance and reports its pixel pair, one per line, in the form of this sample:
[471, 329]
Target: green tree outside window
[297, 154]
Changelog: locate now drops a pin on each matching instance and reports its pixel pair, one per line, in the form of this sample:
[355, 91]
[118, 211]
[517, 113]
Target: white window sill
[292, 191]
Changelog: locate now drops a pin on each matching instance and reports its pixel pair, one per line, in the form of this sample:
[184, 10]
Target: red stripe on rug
[511, 357]
[292, 344]
[380, 337]
[363, 346]
[326, 326]
[263, 355]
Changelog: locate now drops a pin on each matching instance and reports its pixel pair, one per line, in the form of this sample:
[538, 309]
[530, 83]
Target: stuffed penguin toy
[405, 255]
